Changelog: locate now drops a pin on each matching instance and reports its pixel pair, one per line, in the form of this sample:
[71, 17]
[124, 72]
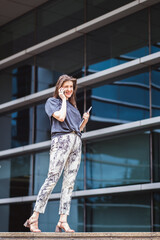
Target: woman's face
[68, 89]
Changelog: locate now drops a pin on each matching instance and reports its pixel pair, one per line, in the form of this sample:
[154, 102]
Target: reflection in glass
[156, 155]
[155, 28]
[15, 177]
[119, 213]
[20, 128]
[118, 42]
[17, 35]
[42, 23]
[17, 129]
[118, 161]
[56, 17]
[42, 127]
[65, 59]
[97, 8]
[155, 76]
[17, 81]
[121, 102]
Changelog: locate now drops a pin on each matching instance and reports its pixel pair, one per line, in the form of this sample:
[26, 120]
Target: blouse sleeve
[52, 105]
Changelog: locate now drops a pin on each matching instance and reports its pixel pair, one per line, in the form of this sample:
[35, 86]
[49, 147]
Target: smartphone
[89, 109]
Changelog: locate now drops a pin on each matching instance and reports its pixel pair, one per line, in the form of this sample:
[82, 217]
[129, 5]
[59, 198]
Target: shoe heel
[58, 229]
[26, 224]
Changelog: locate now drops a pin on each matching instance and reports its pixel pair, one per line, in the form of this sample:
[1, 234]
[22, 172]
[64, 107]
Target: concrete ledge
[89, 192]
[80, 236]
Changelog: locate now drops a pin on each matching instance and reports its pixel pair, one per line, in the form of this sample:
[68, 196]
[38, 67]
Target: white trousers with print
[65, 154]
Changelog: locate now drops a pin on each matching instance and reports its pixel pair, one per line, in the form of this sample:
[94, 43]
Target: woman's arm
[61, 114]
[85, 117]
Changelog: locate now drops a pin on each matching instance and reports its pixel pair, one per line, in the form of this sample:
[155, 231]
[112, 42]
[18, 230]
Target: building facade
[113, 48]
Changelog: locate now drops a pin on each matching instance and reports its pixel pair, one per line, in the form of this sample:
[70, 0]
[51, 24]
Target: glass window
[156, 155]
[42, 23]
[53, 20]
[120, 102]
[42, 125]
[119, 213]
[156, 211]
[155, 76]
[16, 129]
[14, 215]
[155, 28]
[115, 162]
[17, 35]
[17, 81]
[15, 177]
[118, 42]
[96, 8]
[65, 59]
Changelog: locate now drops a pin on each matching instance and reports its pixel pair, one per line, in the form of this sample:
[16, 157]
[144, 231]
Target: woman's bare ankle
[35, 215]
[63, 218]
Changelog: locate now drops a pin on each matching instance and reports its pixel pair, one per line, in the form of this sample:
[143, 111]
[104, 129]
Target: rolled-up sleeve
[52, 105]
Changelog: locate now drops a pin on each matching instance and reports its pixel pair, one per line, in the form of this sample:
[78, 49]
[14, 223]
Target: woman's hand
[61, 93]
[86, 117]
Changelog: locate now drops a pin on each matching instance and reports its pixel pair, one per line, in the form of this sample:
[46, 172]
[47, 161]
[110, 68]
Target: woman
[65, 151]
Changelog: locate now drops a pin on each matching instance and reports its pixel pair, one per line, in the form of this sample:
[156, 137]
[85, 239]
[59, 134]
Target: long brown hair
[61, 80]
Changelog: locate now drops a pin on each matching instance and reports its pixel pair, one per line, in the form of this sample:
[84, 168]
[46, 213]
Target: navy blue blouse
[72, 120]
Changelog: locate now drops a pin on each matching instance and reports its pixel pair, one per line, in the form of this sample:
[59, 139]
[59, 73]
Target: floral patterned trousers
[65, 154]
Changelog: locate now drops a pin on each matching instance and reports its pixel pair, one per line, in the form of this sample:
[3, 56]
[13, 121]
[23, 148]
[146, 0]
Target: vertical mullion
[34, 116]
[84, 142]
[150, 115]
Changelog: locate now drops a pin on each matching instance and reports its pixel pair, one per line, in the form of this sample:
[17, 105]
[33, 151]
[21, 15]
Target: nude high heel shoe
[63, 225]
[32, 224]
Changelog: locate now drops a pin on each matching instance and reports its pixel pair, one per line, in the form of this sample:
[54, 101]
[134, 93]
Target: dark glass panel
[56, 17]
[14, 215]
[96, 8]
[155, 28]
[16, 129]
[65, 59]
[42, 128]
[115, 162]
[17, 81]
[15, 177]
[156, 211]
[119, 213]
[118, 42]
[80, 101]
[42, 23]
[155, 76]
[17, 35]
[156, 155]
[121, 102]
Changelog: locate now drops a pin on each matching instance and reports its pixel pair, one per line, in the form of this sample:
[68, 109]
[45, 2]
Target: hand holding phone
[61, 93]
[86, 112]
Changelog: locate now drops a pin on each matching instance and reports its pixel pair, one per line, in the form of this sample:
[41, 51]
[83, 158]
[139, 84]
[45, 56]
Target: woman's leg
[60, 150]
[69, 176]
